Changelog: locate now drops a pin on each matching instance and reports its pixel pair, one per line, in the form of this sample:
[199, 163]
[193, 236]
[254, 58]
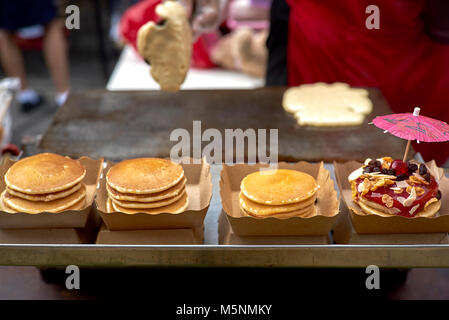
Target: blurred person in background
[407, 58]
[19, 17]
[243, 48]
[233, 41]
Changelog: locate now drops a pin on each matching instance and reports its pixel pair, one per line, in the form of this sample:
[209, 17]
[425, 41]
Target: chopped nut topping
[428, 203]
[387, 200]
[412, 210]
[376, 175]
[386, 162]
[380, 183]
[367, 186]
[411, 198]
[413, 180]
[354, 189]
[419, 191]
[355, 174]
[397, 190]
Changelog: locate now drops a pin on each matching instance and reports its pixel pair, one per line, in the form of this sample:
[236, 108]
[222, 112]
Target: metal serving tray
[211, 254]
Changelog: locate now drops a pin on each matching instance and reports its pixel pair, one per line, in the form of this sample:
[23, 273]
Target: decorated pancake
[167, 45]
[388, 187]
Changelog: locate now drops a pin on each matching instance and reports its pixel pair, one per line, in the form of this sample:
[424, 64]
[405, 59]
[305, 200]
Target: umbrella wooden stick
[407, 148]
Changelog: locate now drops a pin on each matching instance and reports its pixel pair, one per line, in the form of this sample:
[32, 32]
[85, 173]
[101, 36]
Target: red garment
[144, 11]
[329, 42]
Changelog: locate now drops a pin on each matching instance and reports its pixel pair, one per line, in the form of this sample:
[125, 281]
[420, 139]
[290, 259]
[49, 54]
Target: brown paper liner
[198, 188]
[64, 219]
[327, 206]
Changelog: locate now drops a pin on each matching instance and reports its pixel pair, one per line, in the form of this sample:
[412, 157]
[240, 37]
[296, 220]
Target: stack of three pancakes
[44, 183]
[146, 185]
[280, 193]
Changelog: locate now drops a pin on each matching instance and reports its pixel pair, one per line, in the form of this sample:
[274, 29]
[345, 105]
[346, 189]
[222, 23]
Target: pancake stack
[44, 183]
[280, 193]
[146, 185]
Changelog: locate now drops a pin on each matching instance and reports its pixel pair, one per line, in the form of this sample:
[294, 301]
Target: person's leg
[277, 44]
[55, 52]
[11, 58]
[13, 65]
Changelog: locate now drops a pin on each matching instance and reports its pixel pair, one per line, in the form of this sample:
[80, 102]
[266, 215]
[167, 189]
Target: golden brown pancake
[58, 205]
[44, 173]
[303, 213]
[151, 197]
[368, 208]
[77, 206]
[147, 205]
[45, 197]
[278, 187]
[144, 175]
[266, 210]
[176, 207]
[4, 207]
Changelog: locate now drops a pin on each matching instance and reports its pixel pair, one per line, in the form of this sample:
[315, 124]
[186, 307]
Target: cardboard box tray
[213, 254]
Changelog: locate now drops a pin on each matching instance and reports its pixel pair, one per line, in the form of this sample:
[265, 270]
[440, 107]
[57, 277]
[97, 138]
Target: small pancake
[174, 208]
[303, 213]
[144, 175]
[151, 197]
[45, 197]
[430, 211]
[266, 210]
[148, 205]
[44, 173]
[54, 206]
[278, 187]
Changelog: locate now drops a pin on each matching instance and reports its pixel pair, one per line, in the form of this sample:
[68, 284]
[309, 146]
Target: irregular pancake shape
[167, 45]
[321, 104]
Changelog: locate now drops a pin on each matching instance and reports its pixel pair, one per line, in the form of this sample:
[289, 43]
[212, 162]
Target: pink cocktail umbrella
[412, 126]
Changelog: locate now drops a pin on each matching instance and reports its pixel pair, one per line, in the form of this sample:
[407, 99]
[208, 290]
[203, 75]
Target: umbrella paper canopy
[412, 126]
